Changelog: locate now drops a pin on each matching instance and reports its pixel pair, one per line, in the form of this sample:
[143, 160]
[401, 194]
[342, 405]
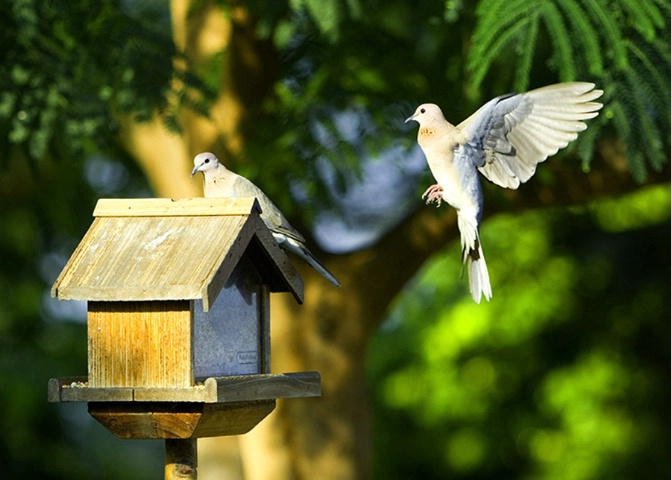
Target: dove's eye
[422, 110]
[207, 160]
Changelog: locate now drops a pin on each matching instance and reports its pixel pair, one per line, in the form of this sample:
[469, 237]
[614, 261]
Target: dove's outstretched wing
[513, 133]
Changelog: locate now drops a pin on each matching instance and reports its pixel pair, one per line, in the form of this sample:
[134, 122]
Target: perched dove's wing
[220, 182]
[271, 215]
[516, 132]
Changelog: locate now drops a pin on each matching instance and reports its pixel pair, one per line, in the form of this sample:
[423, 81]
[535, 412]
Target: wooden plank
[56, 384]
[194, 394]
[147, 419]
[67, 272]
[167, 207]
[266, 386]
[150, 258]
[232, 418]
[120, 293]
[85, 394]
[179, 420]
[215, 390]
[140, 344]
[76, 389]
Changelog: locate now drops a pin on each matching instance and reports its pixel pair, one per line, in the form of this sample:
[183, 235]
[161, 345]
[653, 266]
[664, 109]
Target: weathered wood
[170, 257]
[147, 419]
[197, 393]
[151, 269]
[161, 420]
[167, 207]
[76, 389]
[238, 388]
[181, 459]
[221, 419]
[140, 344]
[260, 387]
[149, 258]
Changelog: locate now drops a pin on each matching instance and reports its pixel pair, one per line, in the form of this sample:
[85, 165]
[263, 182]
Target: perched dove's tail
[474, 258]
[299, 249]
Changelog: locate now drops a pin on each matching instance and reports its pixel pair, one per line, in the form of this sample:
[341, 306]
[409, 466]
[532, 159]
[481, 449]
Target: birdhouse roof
[163, 249]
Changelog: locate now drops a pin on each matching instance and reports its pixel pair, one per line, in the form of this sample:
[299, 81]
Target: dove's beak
[411, 117]
[195, 170]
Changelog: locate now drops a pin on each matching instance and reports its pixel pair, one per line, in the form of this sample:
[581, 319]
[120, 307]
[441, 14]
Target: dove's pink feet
[433, 194]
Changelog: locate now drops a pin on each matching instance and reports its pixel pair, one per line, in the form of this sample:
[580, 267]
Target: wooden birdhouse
[178, 318]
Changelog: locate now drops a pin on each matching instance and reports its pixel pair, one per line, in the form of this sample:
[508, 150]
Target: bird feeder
[178, 319]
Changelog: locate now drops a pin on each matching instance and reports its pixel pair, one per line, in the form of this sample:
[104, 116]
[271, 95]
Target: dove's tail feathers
[301, 250]
[478, 276]
[473, 257]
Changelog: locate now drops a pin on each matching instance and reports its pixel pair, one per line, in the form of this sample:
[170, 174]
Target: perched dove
[221, 182]
[504, 140]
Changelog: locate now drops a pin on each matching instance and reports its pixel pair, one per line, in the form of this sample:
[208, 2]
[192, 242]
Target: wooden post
[181, 459]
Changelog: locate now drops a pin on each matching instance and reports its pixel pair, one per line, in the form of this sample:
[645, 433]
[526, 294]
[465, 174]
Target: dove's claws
[433, 194]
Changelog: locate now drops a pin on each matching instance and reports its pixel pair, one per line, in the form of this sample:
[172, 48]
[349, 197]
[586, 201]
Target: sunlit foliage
[561, 376]
[623, 45]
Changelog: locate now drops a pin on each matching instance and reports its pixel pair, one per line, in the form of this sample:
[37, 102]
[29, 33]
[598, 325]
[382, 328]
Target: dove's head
[426, 114]
[204, 162]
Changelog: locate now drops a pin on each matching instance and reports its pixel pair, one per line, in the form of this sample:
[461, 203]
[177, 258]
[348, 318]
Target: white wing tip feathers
[554, 120]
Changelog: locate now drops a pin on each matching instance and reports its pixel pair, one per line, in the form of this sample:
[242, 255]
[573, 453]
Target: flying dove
[504, 140]
[221, 182]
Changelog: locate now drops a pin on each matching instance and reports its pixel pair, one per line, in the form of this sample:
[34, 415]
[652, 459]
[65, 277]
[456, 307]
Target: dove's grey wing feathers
[298, 247]
[286, 236]
[270, 214]
[220, 182]
[516, 132]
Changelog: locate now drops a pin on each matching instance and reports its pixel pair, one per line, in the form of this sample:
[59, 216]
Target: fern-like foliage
[622, 45]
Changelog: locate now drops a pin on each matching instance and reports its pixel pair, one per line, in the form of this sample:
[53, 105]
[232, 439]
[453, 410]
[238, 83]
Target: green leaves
[623, 47]
[498, 25]
[72, 65]
[558, 376]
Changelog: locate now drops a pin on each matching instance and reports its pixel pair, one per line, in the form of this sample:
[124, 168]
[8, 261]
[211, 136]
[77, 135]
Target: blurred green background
[564, 376]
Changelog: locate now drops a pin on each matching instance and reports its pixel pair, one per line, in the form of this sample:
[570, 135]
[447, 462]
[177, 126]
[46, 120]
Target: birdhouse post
[178, 321]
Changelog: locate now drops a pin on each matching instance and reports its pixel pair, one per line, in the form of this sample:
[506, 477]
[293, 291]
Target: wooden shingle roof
[163, 249]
